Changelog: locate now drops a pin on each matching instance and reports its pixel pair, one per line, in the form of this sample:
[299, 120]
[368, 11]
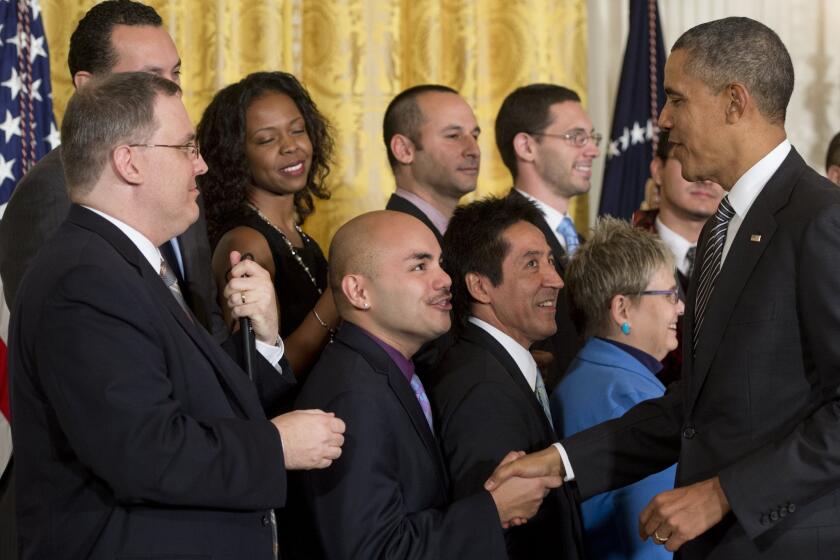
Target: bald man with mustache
[388, 496]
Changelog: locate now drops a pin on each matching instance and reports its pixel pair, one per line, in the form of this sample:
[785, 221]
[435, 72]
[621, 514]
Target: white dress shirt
[741, 196]
[744, 192]
[678, 245]
[521, 355]
[273, 354]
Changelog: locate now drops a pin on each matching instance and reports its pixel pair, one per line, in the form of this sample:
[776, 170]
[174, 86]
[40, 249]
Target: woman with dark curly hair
[268, 151]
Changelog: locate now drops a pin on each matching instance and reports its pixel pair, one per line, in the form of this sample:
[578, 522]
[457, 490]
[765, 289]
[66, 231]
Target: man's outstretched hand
[534, 465]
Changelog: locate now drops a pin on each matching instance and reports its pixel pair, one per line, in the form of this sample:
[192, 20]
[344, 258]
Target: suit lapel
[228, 373]
[355, 338]
[740, 261]
[478, 336]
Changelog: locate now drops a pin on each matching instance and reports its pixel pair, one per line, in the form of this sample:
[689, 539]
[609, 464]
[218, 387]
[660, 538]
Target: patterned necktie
[422, 398]
[542, 397]
[689, 257]
[171, 282]
[711, 263]
[569, 233]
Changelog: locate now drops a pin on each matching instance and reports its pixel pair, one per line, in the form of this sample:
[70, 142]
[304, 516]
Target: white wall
[805, 26]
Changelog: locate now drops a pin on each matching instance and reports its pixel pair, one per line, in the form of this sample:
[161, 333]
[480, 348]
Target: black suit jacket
[566, 342]
[759, 402]
[485, 408]
[399, 204]
[135, 435]
[387, 495]
[38, 207]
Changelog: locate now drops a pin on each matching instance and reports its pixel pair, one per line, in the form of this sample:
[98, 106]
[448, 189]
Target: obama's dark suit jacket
[759, 402]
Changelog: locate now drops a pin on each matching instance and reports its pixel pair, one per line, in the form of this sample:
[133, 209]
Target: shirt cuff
[272, 353]
[567, 465]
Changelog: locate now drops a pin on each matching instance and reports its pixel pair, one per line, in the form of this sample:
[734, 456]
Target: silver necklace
[291, 247]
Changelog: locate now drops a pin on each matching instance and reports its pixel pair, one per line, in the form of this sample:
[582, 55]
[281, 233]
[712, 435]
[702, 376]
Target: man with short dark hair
[135, 433]
[755, 422]
[388, 497]
[488, 395]
[113, 36]
[547, 142]
[431, 136]
[832, 160]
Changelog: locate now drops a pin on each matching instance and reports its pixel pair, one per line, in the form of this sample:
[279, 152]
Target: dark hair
[739, 49]
[221, 135]
[117, 109]
[527, 109]
[832, 156]
[90, 44]
[473, 243]
[403, 116]
[664, 147]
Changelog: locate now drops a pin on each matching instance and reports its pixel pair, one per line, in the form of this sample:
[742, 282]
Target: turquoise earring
[625, 327]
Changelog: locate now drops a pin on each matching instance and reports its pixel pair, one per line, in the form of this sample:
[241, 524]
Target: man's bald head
[357, 243]
[386, 277]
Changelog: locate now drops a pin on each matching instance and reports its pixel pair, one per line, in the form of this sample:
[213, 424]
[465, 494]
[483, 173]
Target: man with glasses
[114, 36]
[547, 142]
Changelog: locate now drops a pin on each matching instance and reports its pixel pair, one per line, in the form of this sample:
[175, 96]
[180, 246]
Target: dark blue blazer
[602, 383]
[136, 434]
[387, 496]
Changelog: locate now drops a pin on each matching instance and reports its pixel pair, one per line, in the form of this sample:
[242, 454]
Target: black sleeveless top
[295, 291]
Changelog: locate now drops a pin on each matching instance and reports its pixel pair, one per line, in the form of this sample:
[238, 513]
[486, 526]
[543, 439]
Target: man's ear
[478, 287]
[657, 167]
[523, 146]
[354, 289]
[402, 148]
[833, 174]
[738, 99]
[125, 165]
[80, 78]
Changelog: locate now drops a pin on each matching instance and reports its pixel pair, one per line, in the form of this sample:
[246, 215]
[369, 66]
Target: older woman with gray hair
[623, 292]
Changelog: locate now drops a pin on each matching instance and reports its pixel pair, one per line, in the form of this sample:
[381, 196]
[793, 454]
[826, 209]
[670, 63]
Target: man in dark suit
[388, 496]
[755, 422]
[135, 434]
[114, 36]
[489, 397]
[547, 142]
[431, 136]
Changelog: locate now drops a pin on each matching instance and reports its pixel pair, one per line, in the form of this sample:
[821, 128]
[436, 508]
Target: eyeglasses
[673, 295]
[578, 137]
[191, 147]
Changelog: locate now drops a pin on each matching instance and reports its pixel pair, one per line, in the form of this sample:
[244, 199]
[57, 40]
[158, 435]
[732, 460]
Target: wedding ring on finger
[242, 295]
[658, 539]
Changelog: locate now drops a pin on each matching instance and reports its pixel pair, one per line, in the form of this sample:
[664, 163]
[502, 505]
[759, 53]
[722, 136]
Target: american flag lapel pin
[755, 238]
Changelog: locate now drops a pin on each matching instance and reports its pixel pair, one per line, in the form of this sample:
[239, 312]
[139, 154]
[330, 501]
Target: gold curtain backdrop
[354, 56]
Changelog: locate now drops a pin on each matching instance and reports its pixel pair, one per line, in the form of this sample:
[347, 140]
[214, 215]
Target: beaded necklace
[291, 247]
